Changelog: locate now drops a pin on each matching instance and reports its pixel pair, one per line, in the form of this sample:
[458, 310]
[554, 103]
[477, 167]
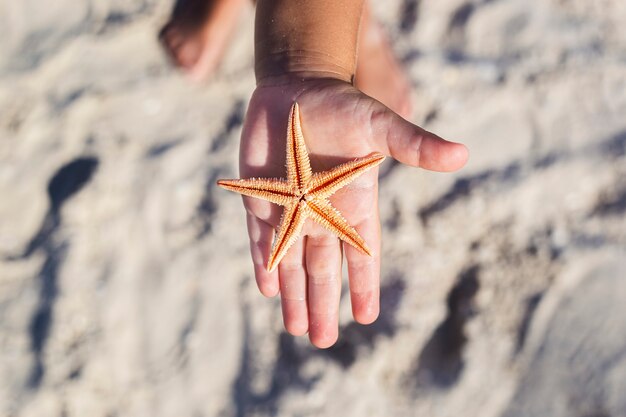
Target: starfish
[305, 194]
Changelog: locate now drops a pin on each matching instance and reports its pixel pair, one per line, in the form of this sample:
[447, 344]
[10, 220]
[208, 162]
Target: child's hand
[339, 124]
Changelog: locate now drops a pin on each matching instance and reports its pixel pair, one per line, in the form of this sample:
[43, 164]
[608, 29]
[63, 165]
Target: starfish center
[303, 195]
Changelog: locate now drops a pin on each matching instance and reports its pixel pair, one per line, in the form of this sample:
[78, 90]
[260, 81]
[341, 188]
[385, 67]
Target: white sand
[138, 299]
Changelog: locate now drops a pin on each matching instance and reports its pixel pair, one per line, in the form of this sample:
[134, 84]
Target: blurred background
[125, 283]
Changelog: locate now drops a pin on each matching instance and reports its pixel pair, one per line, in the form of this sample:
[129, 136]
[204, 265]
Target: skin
[199, 32]
[305, 51]
[339, 123]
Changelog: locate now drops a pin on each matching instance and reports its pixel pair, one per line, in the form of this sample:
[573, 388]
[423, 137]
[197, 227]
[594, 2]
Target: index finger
[364, 270]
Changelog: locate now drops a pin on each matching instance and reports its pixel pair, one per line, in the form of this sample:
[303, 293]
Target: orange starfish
[305, 194]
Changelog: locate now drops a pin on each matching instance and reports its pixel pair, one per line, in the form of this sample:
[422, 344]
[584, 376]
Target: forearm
[306, 39]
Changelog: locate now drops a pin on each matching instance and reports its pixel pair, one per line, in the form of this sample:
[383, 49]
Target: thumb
[412, 145]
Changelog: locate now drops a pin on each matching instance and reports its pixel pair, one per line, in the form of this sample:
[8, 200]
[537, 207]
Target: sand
[125, 283]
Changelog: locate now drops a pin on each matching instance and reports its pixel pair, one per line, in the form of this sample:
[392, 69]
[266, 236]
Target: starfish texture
[305, 194]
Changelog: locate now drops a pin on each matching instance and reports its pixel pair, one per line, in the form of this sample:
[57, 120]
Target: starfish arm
[325, 214]
[324, 184]
[298, 164]
[288, 232]
[274, 190]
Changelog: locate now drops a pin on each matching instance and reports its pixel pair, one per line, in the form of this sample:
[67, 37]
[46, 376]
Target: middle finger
[323, 264]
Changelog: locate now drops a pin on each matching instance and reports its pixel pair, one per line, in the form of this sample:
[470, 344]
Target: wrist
[306, 39]
[289, 66]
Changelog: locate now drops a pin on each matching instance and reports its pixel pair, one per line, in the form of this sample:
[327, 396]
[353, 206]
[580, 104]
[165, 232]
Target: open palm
[339, 124]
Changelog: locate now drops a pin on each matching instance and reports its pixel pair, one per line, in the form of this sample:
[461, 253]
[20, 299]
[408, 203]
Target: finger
[292, 276]
[364, 270]
[323, 263]
[412, 145]
[261, 236]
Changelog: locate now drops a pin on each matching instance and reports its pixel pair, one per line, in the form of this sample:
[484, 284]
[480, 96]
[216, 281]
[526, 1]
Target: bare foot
[198, 33]
[379, 74]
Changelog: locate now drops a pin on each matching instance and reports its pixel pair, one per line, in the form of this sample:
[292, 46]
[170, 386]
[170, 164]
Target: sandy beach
[126, 287]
